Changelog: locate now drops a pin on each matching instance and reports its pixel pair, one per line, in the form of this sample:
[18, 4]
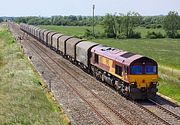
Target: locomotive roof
[116, 54]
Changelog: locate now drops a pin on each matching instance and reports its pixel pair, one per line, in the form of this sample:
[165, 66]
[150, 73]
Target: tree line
[59, 20]
[123, 25]
[114, 25]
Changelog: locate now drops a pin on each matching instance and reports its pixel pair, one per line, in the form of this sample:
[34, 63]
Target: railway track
[165, 110]
[156, 105]
[150, 112]
[69, 73]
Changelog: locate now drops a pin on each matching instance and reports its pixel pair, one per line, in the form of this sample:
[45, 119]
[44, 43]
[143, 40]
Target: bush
[154, 35]
[121, 36]
[177, 36]
[88, 33]
[135, 35]
[173, 35]
[153, 26]
[100, 35]
[148, 26]
[159, 26]
[111, 35]
[79, 36]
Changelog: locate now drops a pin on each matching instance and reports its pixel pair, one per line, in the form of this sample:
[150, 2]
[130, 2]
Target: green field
[79, 30]
[22, 98]
[144, 31]
[71, 30]
[165, 51]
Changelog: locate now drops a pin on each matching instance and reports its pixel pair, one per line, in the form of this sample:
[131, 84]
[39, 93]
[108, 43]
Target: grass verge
[23, 100]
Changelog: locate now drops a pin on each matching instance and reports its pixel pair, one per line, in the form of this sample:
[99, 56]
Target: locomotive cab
[143, 78]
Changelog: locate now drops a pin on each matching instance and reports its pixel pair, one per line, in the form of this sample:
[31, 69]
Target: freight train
[131, 74]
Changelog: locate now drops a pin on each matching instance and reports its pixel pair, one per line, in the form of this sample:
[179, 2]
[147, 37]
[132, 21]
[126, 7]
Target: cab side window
[118, 70]
[125, 69]
[96, 58]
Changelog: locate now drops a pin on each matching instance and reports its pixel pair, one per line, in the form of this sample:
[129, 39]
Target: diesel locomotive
[131, 74]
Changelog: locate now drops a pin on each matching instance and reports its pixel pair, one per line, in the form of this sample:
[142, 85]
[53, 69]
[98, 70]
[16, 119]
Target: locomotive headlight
[154, 84]
[154, 81]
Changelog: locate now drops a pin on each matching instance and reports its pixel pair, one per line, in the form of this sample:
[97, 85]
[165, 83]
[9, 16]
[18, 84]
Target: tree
[122, 26]
[109, 24]
[171, 24]
[130, 21]
[1, 19]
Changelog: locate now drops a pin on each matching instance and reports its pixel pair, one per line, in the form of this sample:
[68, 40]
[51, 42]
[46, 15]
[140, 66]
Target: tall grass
[22, 99]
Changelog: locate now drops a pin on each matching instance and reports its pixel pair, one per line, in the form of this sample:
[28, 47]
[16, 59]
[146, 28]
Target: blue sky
[84, 7]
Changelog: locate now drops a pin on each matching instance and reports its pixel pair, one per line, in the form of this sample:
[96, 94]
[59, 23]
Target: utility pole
[93, 19]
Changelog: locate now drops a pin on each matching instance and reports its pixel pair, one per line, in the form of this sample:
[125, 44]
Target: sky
[47, 8]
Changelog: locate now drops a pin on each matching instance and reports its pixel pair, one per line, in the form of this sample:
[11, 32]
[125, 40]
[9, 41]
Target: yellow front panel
[143, 80]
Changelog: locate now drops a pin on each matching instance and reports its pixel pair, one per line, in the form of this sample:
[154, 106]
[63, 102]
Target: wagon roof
[47, 31]
[42, 30]
[115, 54]
[39, 29]
[86, 44]
[74, 40]
[36, 28]
[57, 35]
[64, 38]
[52, 32]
